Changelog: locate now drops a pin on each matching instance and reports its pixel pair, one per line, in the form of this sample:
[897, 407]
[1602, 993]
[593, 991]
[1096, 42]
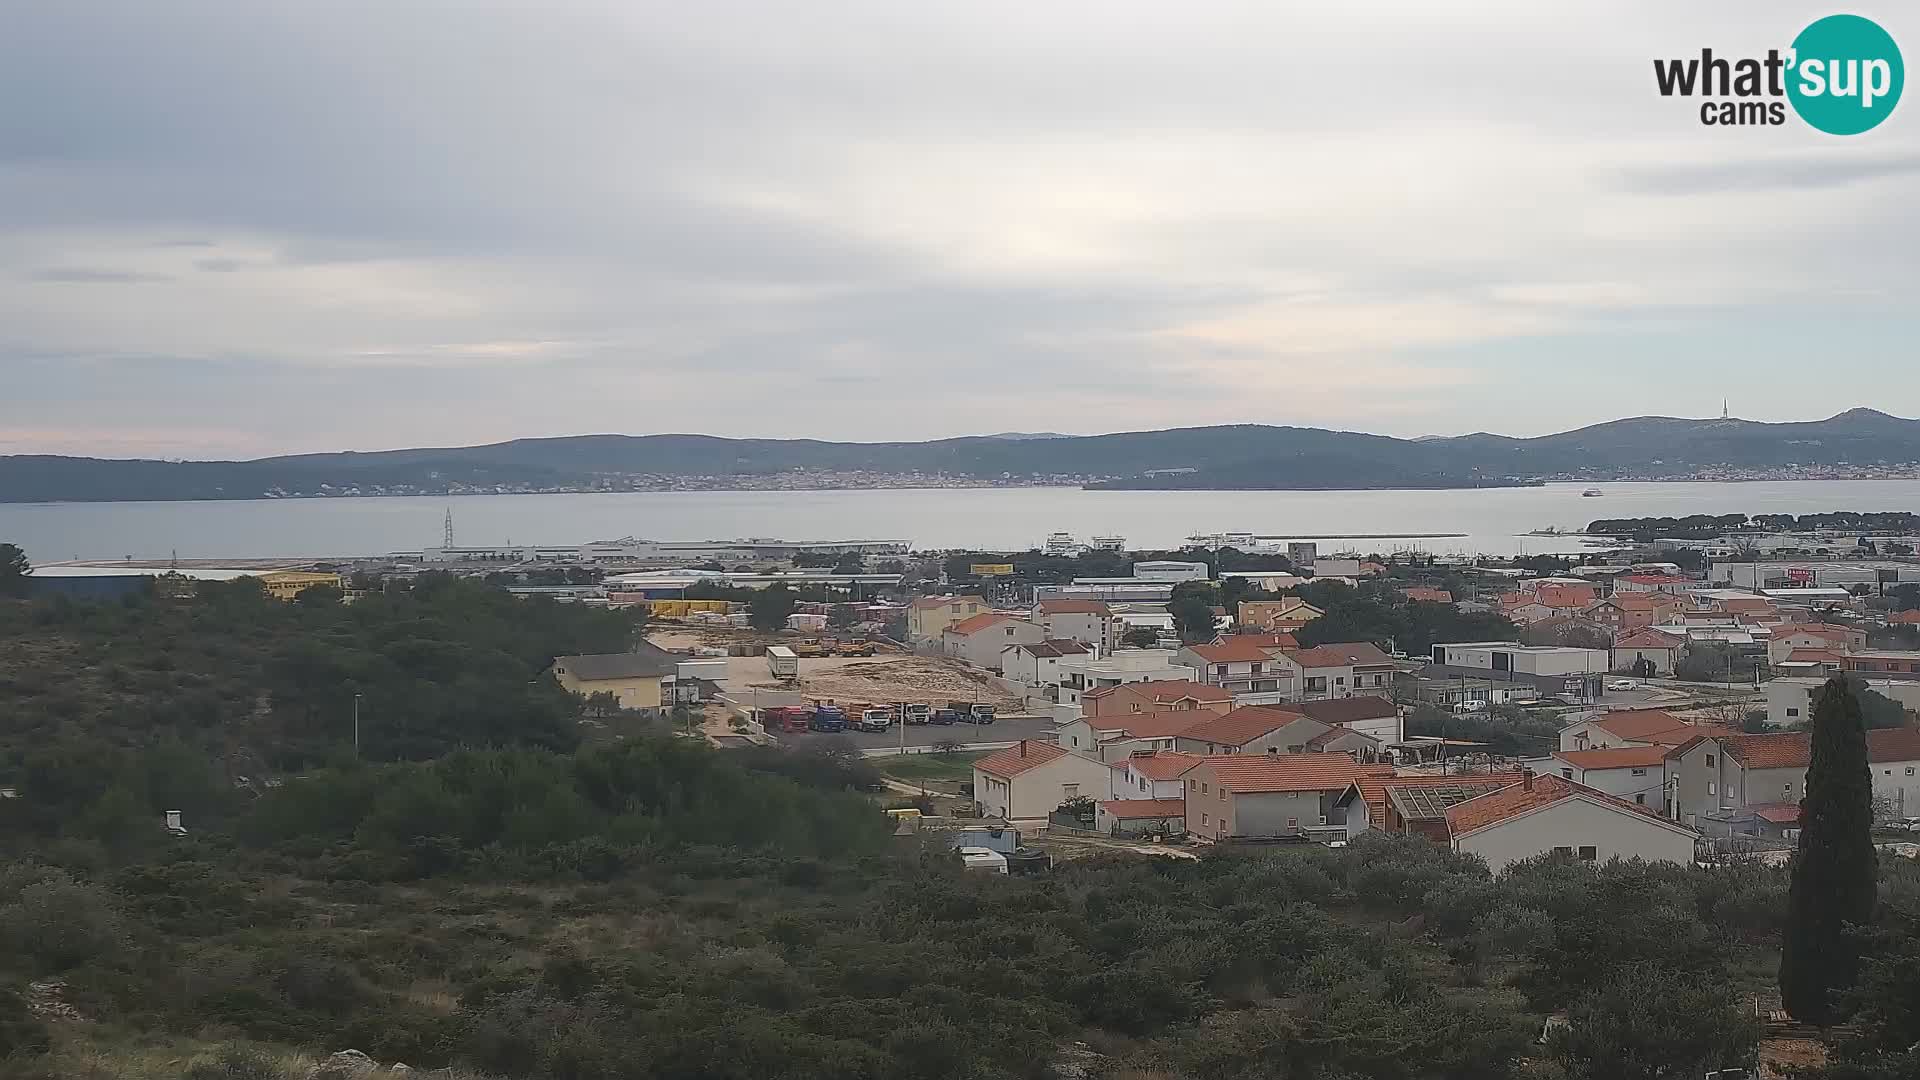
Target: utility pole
[356, 723]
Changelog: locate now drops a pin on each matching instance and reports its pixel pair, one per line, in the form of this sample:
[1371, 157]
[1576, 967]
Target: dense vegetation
[489, 896]
[1706, 526]
[1375, 612]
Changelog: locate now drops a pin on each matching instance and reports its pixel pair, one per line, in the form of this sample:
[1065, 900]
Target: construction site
[889, 675]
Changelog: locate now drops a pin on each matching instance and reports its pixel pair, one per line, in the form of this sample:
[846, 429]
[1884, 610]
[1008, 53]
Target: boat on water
[1592, 493]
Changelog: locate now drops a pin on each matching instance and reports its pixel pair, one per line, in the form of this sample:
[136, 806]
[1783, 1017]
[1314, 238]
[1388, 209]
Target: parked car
[1470, 707]
[1622, 684]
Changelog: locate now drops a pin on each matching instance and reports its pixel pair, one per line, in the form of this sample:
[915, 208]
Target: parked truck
[782, 663]
[786, 719]
[829, 718]
[971, 712]
[917, 713]
[875, 719]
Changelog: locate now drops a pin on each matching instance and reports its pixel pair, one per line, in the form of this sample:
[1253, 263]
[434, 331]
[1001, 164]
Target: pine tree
[1833, 871]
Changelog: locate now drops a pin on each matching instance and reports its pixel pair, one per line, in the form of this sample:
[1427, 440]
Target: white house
[1150, 774]
[980, 639]
[1636, 649]
[1038, 664]
[1243, 665]
[1790, 700]
[1636, 774]
[1543, 814]
[1088, 671]
[1028, 780]
[1632, 727]
[1342, 669]
[1089, 622]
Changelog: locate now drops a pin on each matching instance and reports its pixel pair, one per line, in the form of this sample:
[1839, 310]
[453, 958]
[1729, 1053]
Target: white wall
[1574, 822]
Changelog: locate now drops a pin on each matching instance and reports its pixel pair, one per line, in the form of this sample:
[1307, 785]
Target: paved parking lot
[1003, 730]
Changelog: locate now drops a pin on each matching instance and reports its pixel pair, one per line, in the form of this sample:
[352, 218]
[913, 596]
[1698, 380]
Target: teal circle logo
[1847, 75]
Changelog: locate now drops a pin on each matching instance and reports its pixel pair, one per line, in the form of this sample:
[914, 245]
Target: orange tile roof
[1340, 654]
[1655, 726]
[1074, 607]
[1794, 749]
[1014, 760]
[1159, 764]
[1346, 710]
[1625, 757]
[1152, 725]
[1519, 798]
[1374, 789]
[1243, 725]
[1893, 744]
[1777, 813]
[977, 623]
[1230, 650]
[1819, 630]
[1434, 596]
[1904, 617]
[1271, 641]
[1813, 656]
[1162, 690]
[1246, 774]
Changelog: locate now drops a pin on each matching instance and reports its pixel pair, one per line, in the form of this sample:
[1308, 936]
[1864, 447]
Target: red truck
[785, 718]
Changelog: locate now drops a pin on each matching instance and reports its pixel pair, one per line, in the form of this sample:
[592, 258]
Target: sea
[1493, 521]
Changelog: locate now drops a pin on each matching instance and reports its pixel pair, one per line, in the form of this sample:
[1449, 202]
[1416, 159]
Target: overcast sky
[236, 227]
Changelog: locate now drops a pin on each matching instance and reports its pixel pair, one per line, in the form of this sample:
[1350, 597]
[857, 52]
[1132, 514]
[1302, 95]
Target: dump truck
[810, 647]
[786, 718]
[828, 718]
[855, 648]
[971, 712]
[875, 719]
[782, 663]
[917, 713]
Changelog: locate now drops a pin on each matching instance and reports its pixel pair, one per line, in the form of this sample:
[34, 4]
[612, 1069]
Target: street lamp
[356, 723]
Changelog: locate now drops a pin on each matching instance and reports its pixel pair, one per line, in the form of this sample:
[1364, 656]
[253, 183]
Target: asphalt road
[1003, 730]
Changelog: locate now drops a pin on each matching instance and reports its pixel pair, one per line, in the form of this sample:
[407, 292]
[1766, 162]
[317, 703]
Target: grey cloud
[1838, 167]
[85, 275]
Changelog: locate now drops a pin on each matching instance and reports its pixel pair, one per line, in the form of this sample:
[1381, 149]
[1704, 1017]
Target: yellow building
[929, 616]
[287, 584]
[634, 679]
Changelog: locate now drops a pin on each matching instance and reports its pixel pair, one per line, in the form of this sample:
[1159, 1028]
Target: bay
[1492, 520]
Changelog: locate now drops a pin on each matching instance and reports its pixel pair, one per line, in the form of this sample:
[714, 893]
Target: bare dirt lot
[930, 679]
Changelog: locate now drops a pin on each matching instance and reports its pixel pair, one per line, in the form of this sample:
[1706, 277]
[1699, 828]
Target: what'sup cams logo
[1842, 75]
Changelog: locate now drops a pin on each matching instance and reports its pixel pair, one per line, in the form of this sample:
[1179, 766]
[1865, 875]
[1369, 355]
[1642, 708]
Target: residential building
[1255, 729]
[929, 616]
[1399, 805]
[1626, 612]
[1672, 584]
[1030, 779]
[1039, 664]
[1371, 714]
[979, 640]
[1151, 774]
[1243, 666]
[1114, 738]
[1158, 696]
[1422, 594]
[1648, 652]
[1634, 773]
[1091, 671]
[1550, 814]
[1141, 817]
[1289, 613]
[1632, 727]
[1260, 795]
[1575, 673]
[1714, 776]
[633, 678]
[1790, 698]
[1888, 663]
[288, 584]
[1342, 669]
[1089, 622]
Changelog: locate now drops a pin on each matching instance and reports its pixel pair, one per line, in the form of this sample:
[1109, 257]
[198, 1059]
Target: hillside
[1246, 456]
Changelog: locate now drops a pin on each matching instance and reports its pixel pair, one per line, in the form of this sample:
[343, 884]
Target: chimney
[1023, 748]
[1526, 779]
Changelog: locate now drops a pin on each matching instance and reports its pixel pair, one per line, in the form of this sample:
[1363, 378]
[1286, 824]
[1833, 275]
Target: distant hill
[1246, 456]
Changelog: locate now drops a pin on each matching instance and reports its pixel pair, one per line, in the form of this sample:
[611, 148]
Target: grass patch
[931, 768]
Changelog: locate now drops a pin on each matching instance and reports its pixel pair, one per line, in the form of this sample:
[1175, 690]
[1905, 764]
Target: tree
[1833, 870]
[1193, 617]
[1141, 637]
[770, 607]
[14, 571]
[1649, 1022]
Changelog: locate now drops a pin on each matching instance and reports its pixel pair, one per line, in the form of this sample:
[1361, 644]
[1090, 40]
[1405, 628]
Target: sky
[231, 228]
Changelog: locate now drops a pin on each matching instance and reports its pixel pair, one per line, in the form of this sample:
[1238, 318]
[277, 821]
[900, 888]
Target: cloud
[901, 221]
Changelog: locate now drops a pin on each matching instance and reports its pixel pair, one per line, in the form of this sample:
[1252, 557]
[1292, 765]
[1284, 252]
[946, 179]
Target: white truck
[782, 663]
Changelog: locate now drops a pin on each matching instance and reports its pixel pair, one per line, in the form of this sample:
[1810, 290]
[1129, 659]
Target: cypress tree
[1833, 870]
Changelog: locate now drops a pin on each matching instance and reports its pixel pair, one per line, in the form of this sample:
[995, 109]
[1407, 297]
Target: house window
[1293, 823]
[1793, 712]
[1909, 770]
[1563, 850]
[1710, 788]
[1193, 785]
[1339, 680]
[1589, 853]
[1070, 791]
[1275, 750]
[1203, 789]
[1709, 761]
[1203, 818]
[1566, 774]
[1640, 798]
[1223, 794]
[1786, 788]
[1639, 772]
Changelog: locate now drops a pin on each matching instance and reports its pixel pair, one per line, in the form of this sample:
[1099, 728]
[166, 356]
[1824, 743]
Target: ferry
[1061, 544]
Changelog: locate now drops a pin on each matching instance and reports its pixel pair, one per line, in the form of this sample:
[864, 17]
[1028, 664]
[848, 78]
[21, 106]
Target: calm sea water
[1493, 521]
